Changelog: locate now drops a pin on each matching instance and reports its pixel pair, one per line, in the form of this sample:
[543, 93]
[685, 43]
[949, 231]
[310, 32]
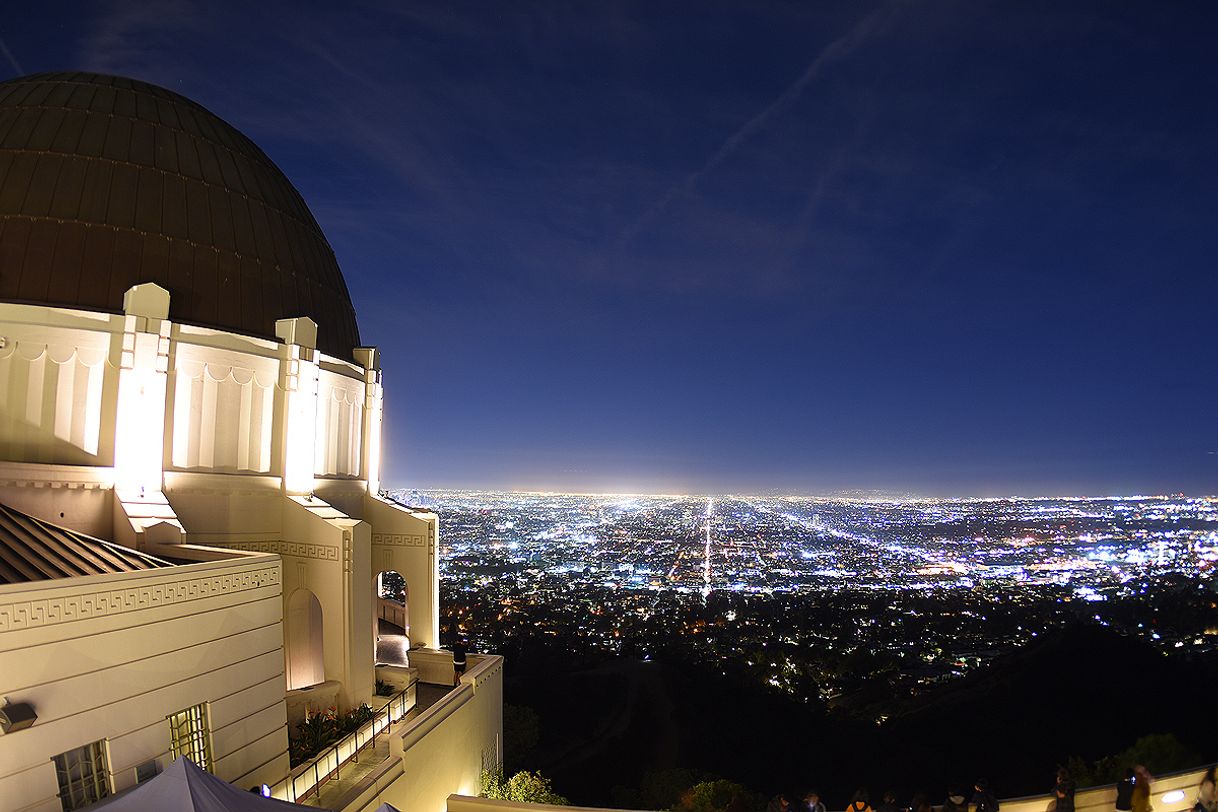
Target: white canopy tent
[183, 787]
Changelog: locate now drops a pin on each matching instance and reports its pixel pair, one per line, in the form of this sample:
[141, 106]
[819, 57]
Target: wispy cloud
[12, 60]
[835, 51]
[142, 39]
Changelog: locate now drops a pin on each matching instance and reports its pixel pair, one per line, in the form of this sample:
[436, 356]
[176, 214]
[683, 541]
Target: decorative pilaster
[298, 378]
[139, 436]
[370, 359]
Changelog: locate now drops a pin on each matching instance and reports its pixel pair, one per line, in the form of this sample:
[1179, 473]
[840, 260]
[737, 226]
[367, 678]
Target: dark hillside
[1083, 692]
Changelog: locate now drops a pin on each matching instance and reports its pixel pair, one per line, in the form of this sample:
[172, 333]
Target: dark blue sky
[935, 247]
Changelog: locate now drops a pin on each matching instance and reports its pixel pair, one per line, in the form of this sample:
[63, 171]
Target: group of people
[1132, 795]
[957, 801]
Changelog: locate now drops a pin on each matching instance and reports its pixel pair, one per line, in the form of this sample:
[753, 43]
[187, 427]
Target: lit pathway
[710, 507]
[392, 644]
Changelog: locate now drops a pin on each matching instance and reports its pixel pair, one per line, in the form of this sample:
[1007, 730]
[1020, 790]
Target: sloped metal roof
[107, 182]
[34, 550]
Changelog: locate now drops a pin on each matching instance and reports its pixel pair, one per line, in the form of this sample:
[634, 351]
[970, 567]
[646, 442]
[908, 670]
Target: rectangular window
[189, 735]
[83, 776]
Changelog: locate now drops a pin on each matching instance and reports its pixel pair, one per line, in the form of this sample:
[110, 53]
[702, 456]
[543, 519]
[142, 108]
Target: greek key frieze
[399, 540]
[49, 611]
[322, 552]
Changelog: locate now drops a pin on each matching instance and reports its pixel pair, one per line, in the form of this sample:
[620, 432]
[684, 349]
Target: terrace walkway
[392, 644]
[335, 790]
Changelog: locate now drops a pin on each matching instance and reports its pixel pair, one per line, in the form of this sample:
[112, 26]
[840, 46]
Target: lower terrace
[354, 773]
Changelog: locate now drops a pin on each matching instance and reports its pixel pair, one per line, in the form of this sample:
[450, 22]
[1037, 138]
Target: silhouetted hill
[1083, 692]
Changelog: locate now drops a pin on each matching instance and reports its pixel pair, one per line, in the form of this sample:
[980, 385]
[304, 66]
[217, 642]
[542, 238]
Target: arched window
[392, 626]
[305, 652]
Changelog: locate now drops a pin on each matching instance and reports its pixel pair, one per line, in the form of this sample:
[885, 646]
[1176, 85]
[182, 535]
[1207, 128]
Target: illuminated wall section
[340, 424]
[52, 383]
[224, 410]
[143, 366]
[299, 381]
[374, 402]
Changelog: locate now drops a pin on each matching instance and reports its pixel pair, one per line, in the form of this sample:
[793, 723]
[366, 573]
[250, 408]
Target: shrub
[320, 730]
[719, 795]
[523, 787]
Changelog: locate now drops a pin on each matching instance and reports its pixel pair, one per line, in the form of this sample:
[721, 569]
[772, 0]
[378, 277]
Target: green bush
[719, 795]
[523, 787]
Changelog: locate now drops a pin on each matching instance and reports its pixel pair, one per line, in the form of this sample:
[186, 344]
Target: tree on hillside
[719, 795]
[1159, 752]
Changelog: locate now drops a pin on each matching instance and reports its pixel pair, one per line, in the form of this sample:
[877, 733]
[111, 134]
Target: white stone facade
[255, 458]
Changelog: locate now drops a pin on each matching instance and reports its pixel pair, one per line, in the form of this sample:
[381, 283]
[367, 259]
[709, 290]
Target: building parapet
[469, 803]
[1173, 792]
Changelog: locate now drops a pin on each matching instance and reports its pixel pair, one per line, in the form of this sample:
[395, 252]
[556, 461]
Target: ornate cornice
[294, 549]
[399, 540]
[30, 613]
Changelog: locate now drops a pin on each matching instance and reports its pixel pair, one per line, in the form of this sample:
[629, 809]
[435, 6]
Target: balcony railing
[307, 779]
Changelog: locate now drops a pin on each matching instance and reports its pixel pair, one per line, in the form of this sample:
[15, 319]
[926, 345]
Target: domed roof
[107, 182]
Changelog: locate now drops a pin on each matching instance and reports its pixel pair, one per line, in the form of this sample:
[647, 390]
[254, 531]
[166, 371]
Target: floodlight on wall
[17, 716]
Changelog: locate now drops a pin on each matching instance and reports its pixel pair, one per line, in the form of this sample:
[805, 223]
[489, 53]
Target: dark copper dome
[107, 182]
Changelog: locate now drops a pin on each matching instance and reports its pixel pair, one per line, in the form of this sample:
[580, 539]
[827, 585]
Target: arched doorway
[391, 618]
[305, 650]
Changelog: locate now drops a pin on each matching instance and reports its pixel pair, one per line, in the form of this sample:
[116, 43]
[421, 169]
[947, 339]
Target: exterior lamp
[18, 716]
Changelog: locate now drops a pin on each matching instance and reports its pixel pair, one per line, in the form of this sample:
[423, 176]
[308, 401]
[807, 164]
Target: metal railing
[307, 779]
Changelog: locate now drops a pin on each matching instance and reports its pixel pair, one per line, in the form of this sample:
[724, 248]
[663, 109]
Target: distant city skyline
[857, 495]
[740, 578]
[949, 249]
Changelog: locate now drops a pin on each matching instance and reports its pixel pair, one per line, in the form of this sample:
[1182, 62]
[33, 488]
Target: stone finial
[149, 300]
[301, 331]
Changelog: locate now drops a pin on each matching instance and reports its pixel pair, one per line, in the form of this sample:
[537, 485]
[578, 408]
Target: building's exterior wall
[58, 385]
[231, 410]
[405, 542]
[223, 406]
[154, 434]
[77, 497]
[340, 422]
[446, 749]
[110, 657]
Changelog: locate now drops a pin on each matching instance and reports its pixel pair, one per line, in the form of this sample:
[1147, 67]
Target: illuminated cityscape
[819, 597]
[418, 407]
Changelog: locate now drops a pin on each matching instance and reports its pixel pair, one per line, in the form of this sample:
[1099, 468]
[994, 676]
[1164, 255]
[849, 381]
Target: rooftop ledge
[1172, 792]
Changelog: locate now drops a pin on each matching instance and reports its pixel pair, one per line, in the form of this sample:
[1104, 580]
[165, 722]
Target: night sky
[944, 248]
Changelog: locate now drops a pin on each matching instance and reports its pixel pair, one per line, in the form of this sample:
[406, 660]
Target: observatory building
[194, 551]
